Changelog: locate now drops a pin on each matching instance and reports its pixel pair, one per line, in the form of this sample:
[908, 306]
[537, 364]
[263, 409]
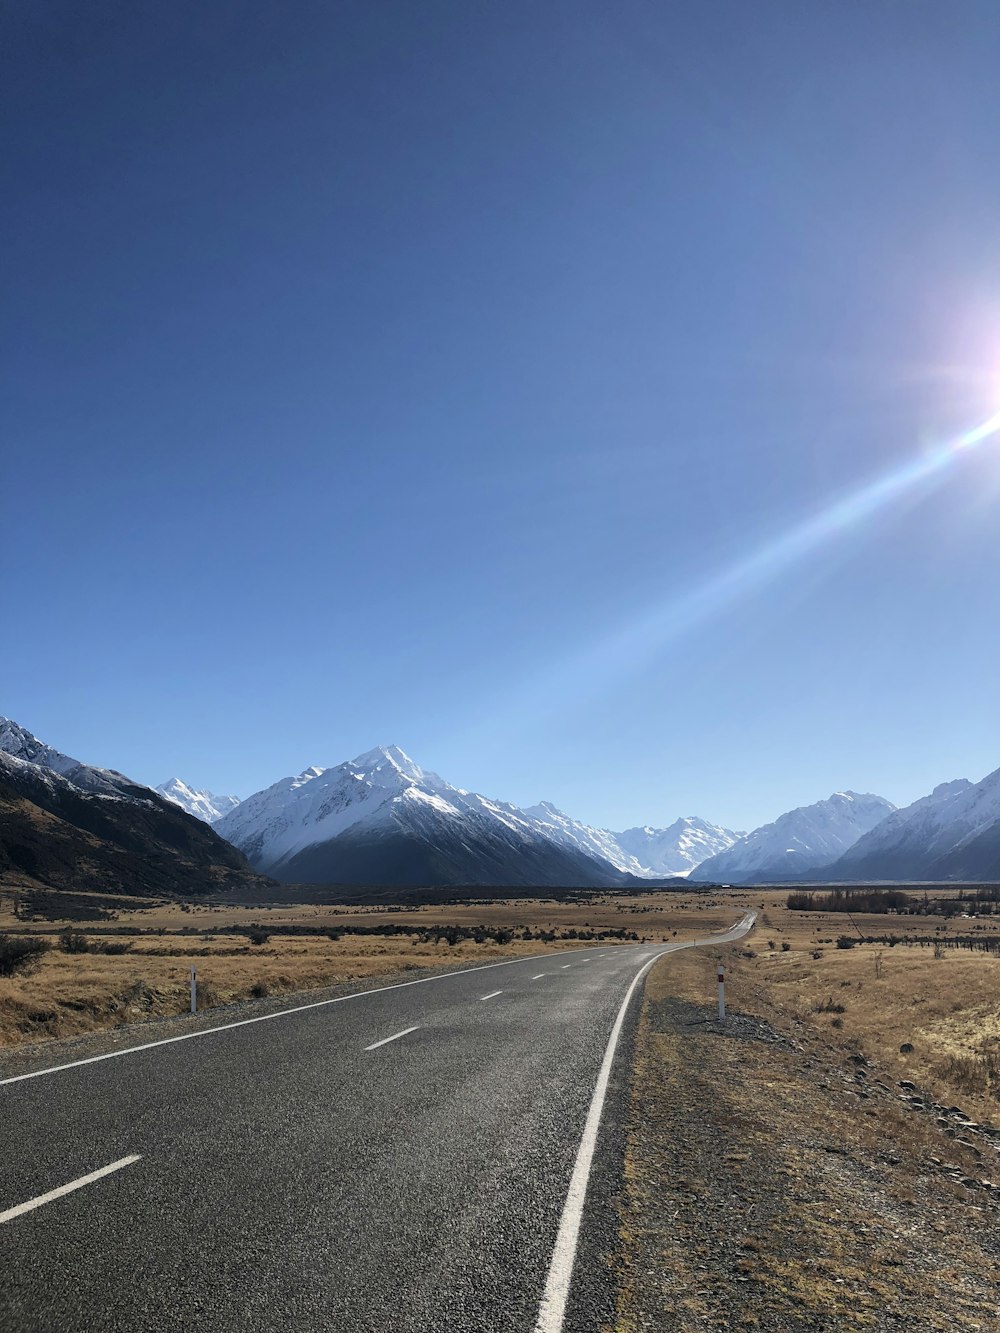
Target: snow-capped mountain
[954, 833]
[797, 842]
[648, 853]
[17, 741]
[676, 850]
[66, 825]
[601, 843]
[381, 819]
[202, 804]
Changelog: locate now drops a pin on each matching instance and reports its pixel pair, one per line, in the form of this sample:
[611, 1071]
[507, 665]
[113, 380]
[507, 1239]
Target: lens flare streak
[633, 645]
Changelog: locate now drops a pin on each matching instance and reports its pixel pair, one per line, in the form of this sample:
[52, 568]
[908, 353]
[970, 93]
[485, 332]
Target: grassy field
[879, 1000]
[68, 994]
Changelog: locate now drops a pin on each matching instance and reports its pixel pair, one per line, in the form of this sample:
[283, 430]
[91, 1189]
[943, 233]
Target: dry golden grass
[71, 994]
[876, 999]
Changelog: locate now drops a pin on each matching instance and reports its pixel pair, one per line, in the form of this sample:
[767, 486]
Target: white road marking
[565, 965]
[32, 1204]
[552, 1311]
[395, 1037]
[538, 976]
[492, 995]
[265, 1018]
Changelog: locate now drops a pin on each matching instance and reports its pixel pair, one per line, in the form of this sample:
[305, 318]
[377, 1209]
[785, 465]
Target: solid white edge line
[281, 1013]
[32, 1204]
[395, 1037]
[492, 995]
[552, 1310]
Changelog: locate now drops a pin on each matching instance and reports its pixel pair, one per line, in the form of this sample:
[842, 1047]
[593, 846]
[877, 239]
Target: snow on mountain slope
[952, 833]
[648, 853]
[594, 842]
[678, 849]
[380, 818]
[799, 841]
[202, 804]
[17, 741]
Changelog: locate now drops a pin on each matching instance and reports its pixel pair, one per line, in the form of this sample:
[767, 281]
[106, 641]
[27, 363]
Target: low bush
[74, 941]
[20, 953]
[112, 946]
[977, 1072]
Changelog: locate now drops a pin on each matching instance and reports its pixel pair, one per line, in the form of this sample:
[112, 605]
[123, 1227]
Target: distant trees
[851, 900]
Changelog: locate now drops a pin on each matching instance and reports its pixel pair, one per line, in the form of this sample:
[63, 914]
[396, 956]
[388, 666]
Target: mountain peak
[204, 805]
[22, 744]
[388, 759]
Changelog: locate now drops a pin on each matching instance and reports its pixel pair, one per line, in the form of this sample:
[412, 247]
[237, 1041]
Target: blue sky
[393, 372]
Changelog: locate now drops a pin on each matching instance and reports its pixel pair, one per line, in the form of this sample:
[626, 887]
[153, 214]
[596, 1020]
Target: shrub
[846, 941]
[785, 946]
[113, 946]
[19, 953]
[258, 935]
[260, 990]
[74, 941]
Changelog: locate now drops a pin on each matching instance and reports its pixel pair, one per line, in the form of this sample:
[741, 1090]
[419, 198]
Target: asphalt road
[317, 1171]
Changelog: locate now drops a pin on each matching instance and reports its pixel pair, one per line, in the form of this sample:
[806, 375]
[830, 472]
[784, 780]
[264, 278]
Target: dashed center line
[538, 976]
[565, 965]
[492, 995]
[32, 1204]
[395, 1037]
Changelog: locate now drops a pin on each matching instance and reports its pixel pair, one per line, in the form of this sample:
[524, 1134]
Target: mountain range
[954, 833]
[799, 842]
[382, 820]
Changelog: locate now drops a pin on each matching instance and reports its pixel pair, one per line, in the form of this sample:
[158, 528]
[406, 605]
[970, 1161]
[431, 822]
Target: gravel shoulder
[776, 1181]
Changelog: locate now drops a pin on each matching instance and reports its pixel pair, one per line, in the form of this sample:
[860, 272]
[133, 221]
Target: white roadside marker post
[722, 994]
[194, 990]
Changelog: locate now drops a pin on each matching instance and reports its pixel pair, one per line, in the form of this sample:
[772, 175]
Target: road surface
[431, 1156]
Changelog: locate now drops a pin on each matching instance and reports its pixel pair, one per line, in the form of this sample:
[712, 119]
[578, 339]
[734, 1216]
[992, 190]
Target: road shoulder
[773, 1183]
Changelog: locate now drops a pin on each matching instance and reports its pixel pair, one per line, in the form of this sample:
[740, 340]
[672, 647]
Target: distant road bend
[404, 1160]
